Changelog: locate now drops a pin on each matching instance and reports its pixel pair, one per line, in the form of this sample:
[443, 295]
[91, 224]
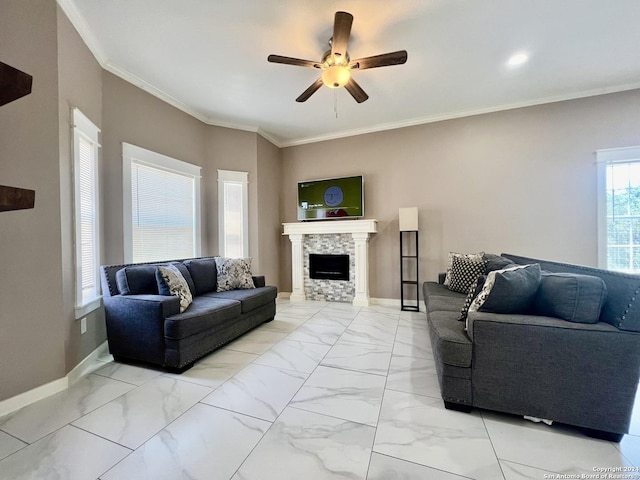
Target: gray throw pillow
[510, 290]
[496, 262]
[571, 297]
[204, 273]
[137, 280]
[234, 273]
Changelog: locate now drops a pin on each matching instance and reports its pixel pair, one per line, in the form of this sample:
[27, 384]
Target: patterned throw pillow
[234, 273]
[452, 255]
[474, 290]
[177, 285]
[465, 271]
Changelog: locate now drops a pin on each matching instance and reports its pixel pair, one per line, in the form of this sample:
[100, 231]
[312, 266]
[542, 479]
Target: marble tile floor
[325, 391]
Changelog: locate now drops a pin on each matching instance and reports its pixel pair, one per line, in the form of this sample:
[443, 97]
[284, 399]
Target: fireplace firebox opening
[328, 267]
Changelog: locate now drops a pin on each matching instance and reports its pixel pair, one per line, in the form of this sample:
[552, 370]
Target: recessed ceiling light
[517, 59]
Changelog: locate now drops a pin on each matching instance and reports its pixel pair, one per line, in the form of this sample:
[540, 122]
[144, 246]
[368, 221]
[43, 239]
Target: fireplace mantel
[359, 230]
[331, 226]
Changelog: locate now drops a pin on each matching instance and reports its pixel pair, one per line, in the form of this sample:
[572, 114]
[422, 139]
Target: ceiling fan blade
[310, 91]
[356, 91]
[341, 32]
[384, 60]
[292, 61]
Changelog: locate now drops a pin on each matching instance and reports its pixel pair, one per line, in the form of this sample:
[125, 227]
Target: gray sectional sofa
[145, 325]
[531, 363]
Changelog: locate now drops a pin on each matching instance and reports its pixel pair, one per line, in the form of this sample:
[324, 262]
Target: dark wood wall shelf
[14, 83]
[12, 198]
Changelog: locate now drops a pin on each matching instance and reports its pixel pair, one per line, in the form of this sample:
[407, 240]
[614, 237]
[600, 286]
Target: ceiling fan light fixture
[336, 76]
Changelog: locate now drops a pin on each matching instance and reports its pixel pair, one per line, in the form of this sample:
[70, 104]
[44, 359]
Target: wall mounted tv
[336, 198]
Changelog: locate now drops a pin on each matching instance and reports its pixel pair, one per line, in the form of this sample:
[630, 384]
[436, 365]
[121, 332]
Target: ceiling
[209, 58]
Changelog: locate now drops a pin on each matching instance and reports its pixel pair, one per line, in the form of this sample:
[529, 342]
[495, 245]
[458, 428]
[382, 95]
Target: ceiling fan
[336, 65]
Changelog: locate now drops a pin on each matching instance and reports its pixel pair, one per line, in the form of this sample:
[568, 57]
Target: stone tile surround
[329, 290]
[340, 237]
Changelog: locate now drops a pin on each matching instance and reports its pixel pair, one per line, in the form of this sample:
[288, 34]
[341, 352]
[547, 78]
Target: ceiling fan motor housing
[336, 65]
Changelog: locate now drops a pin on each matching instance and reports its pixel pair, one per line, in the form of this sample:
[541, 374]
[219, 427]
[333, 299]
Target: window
[161, 206]
[232, 211]
[619, 209]
[86, 212]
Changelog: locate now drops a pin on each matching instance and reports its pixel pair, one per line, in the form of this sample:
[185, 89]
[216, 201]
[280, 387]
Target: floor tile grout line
[493, 448]
[131, 450]
[82, 415]
[288, 405]
[530, 466]
[421, 465]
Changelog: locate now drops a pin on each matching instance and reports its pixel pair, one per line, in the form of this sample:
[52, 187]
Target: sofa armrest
[259, 281]
[580, 374]
[135, 325]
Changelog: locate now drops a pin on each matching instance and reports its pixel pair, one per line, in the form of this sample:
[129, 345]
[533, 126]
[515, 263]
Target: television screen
[331, 199]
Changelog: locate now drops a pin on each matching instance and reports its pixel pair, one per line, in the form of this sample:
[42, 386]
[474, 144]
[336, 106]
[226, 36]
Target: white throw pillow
[234, 273]
[177, 285]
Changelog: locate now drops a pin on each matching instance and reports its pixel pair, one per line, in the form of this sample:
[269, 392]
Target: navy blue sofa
[144, 326]
[580, 374]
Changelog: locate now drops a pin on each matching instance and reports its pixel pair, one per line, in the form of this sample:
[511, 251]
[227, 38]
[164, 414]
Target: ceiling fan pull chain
[335, 102]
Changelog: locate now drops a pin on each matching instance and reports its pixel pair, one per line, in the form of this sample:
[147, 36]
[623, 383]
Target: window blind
[233, 221]
[86, 212]
[163, 217]
[88, 218]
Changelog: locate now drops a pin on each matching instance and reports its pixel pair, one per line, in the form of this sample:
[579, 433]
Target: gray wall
[32, 322]
[521, 181]
[79, 85]
[133, 116]
[269, 231]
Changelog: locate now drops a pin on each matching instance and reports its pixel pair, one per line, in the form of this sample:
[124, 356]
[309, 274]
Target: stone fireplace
[339, 242]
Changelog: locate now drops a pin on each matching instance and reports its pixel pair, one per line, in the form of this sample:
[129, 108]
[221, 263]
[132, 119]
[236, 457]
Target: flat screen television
[335, 198]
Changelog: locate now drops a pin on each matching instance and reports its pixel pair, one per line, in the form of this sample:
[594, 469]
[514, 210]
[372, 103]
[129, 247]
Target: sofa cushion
[496, 262]
[137, 280]
[510, 290]
[234, 273]
[438, 297]
[571, 297]
[449, 340]
[249, 299]
[204, 274]
[204, 314]
[465, 271]
[171, 282]
[452, 255]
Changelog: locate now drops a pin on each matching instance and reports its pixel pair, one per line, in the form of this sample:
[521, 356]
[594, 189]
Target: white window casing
[233, 217]
[161, 206]
[608, 162]
[86, 213]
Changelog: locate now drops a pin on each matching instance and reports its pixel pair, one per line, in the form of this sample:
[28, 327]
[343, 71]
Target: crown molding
[81, 25]
[460, 114]
[79, 22]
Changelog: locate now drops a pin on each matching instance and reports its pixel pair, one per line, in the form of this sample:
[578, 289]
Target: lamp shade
[408, 219]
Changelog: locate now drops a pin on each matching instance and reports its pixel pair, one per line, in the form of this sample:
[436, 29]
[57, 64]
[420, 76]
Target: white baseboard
[15, 403]
[85, 367]
[89, 365]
